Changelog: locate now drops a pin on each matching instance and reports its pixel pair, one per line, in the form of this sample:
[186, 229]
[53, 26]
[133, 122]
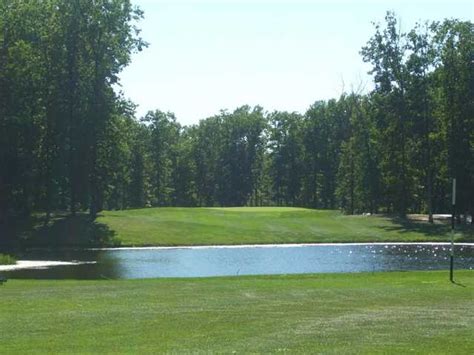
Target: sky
[207, 56]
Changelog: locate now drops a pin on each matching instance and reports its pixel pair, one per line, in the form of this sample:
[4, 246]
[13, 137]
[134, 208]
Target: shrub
[7, 259]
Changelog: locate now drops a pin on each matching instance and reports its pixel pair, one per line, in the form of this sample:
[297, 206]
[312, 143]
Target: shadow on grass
[436, 230]
[63, 231]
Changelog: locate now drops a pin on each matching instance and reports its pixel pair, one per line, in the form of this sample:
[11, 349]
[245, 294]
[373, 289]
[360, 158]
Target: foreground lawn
[413, 312]
[205, 226]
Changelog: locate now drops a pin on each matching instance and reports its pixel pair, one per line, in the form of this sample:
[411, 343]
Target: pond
[133, 263]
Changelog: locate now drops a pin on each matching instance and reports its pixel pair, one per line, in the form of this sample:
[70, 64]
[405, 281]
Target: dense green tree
[70, 141]
[455, 46]
[185, 170]
[58, 62]
[139, 188]
[325, 128]
[386, 51]
[286, 153]
[420, 101]
[358, 174]
[165, 132]
[207, 142]
[21, 111]
[240, 159]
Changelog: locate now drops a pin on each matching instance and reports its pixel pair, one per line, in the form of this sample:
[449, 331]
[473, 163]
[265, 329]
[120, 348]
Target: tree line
[69, 141]
[61, 121]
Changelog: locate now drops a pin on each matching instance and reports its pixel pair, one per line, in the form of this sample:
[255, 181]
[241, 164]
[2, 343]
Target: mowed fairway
[413, 312]
[247, 225]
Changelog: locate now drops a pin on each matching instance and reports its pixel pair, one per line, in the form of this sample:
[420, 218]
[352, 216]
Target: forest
[70, 139]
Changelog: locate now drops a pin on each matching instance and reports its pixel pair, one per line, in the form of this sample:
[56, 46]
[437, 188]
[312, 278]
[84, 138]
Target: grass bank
[212, 226]
[412, 312]
[207, 226]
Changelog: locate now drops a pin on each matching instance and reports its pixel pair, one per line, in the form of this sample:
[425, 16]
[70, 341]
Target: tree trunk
[430, 195]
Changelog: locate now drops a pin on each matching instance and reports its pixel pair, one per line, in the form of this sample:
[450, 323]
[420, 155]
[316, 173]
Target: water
[200, 262]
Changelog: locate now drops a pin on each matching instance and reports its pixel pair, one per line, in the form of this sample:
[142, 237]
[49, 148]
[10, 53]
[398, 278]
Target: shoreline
[41, 264]
[288, 245]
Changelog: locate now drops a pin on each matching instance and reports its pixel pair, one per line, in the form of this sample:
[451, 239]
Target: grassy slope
[204, 226]
[415, 312]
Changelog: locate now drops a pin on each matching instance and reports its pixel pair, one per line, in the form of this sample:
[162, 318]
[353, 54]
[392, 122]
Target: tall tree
[165, 133]
[386, 51]
[358, 174]
[455, 43]
[420, 102]
[286, 151]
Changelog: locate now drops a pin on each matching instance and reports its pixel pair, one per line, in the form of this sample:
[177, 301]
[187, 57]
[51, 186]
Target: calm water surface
[200, 262]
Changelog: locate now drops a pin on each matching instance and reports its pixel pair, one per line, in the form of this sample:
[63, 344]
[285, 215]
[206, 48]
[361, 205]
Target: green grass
[400, 313]
[247, 225]
[211, 226]
[6, 259]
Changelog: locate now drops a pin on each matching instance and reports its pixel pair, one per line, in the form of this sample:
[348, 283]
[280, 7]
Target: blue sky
[205, 56]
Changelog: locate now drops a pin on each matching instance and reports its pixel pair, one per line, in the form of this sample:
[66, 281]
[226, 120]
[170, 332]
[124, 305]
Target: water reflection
[183, 262]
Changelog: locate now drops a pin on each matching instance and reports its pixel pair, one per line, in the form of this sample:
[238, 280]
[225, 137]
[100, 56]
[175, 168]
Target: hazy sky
[205, 56]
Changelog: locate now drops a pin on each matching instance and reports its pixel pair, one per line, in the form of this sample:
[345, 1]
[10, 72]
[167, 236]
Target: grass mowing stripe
[178, 226]
[391, 312]
[264, 225]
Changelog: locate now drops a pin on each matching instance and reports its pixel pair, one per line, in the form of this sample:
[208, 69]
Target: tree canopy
[69, 140]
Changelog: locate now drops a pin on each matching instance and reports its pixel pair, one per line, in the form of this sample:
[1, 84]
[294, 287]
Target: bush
[7, 259]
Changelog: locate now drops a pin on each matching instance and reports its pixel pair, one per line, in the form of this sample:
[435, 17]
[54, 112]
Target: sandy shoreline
[40, 264]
